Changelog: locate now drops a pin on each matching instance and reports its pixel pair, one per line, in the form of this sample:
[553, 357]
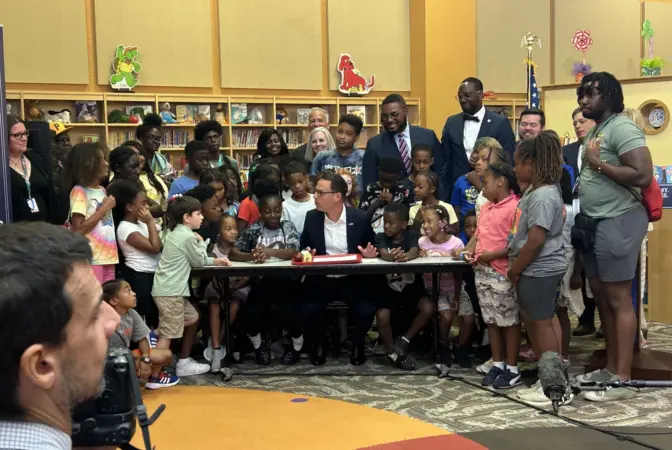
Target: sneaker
[188, 367]
[596, 376]
[610, 394]
[524, 392]
[583, 330]
[491, 376]
[217, 357]
[153, 338]
[162, 381]
[401, 347]
[507, 380]
[207, 351]
[444, 356]
[263, 354]
[485, 367]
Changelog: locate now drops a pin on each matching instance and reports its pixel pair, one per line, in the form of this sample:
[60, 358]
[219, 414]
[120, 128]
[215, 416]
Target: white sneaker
[485, 367]
[217, 357]
[524, 392]
[599, 375]
[207, 351]
[188, 367]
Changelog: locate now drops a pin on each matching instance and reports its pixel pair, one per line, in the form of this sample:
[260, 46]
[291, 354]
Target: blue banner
[5, 195]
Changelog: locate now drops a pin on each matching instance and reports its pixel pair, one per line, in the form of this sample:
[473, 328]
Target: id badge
[32, 204]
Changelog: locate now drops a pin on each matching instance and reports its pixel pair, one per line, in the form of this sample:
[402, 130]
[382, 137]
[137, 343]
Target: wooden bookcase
[111, 134]
[509, 105]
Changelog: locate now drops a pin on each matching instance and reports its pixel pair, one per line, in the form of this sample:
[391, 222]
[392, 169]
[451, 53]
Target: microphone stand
[604, 385]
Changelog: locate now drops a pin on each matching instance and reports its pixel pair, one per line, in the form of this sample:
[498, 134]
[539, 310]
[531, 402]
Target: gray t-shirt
[601, 197]
[132, 328]
[541, 207]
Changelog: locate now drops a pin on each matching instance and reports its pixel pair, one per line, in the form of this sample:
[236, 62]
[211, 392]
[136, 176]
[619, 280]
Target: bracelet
[599, 167]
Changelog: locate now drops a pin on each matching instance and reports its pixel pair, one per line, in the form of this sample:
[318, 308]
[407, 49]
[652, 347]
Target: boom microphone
[553, 379]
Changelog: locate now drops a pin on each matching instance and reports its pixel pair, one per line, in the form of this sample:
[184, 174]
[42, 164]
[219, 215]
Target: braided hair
[545, 152]
[606, 84]
[505, 171]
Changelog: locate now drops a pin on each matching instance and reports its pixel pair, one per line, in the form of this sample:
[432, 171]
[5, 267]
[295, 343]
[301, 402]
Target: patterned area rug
[448, 403]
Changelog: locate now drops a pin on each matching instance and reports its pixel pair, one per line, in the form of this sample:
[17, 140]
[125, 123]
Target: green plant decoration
[650, 66]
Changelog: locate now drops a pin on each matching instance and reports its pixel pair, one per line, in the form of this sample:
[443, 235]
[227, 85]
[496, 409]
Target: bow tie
[470, 117]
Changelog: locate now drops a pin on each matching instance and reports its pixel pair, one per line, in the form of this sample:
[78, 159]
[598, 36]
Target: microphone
[553, 379]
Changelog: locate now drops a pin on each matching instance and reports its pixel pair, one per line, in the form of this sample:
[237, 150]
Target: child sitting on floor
[301, 201]
[148, 361]
[228, 233]
[397, 244]
[496, 294]
[388, 189]
[438, 241]
[183, 249]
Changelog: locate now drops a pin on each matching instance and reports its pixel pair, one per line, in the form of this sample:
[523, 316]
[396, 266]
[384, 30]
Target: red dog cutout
[352, 82]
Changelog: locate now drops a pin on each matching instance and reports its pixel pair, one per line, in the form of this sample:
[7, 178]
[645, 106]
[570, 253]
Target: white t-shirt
[295, 212]
[134, 258]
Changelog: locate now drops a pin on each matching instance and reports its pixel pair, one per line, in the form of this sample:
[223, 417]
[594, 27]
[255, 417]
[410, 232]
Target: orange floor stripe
[222, 418]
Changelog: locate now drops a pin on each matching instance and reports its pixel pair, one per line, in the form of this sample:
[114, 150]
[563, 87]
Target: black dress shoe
[357, 357]
[318, 355]
[262, 354]
[290, 356]
[583, 330]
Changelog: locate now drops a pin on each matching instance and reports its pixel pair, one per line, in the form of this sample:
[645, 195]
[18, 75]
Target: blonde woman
[317, 117]
[636, 116]
[319, 140]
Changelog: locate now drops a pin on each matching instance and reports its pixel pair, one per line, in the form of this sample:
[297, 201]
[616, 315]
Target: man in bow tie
[461, 131]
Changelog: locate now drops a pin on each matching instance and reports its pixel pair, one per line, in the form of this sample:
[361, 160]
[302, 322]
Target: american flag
[532, 89]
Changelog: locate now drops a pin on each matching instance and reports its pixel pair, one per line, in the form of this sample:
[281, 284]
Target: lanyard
[26, 179]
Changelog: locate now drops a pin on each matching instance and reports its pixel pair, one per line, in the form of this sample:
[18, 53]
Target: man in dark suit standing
[572, 154]
[397, 140]
[333, 229]
[461, 131]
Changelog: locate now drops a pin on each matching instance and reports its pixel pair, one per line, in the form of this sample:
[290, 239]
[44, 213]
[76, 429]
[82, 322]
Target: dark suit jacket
[570, 153]
[455, 156]
[384, 145]
[359, 231]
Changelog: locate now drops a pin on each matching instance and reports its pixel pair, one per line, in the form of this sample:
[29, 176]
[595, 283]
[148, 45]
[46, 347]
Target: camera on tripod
[109, 419]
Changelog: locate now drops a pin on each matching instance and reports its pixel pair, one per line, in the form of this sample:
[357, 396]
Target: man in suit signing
[461, 131]
[397, 140]
[333, 229]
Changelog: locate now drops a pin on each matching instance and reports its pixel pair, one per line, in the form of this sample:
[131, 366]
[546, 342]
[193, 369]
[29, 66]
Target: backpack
[652, 199]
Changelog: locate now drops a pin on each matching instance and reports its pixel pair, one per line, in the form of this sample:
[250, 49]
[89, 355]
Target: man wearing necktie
[462, 130]
[397, 140]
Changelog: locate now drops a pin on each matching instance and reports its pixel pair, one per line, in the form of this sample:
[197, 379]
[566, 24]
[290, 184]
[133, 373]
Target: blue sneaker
[507, 380]
[164, 380]
[491, 376]
[153, 339]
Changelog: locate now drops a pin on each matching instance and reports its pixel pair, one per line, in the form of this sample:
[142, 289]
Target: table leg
[223, 292]
[435, 299]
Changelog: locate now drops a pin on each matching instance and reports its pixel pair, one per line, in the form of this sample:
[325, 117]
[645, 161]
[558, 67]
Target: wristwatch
[146, 360]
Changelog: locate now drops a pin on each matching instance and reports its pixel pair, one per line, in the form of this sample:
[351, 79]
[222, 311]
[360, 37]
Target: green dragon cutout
[125, 68]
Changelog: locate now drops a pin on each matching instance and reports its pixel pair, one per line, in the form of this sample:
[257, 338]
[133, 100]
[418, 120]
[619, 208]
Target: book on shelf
[90, 138]
[116, 138]
[186, 113]
[359, 111]
[247, 137]
[293, 138]
[244, 162]
[203, 113]
[175, 138]
[238, 113]
[146, 109]
[302, 116]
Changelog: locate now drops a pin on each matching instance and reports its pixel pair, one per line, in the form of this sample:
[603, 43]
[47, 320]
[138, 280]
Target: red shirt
[493, 229]
[249, 211]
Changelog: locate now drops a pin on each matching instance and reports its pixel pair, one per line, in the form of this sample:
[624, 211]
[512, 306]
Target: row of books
[246, 137]
[293, 138]
[176, 138]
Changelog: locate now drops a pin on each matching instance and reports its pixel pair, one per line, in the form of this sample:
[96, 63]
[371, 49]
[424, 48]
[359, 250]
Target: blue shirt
[463, 237]
[332, 160]
[181, 185]
[464, 195]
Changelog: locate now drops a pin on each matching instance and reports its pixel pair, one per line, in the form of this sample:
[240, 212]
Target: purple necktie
[403, 151]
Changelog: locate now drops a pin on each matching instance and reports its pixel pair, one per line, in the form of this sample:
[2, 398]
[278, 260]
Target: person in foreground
[617, 166]
[333, 229]
[537, 257]
[54, 328]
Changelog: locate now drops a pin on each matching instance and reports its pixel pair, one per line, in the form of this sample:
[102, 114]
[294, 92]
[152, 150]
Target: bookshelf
[237, 138]
[509, 105]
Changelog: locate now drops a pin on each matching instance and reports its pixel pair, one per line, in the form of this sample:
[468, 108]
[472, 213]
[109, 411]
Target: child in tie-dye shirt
[91, 207]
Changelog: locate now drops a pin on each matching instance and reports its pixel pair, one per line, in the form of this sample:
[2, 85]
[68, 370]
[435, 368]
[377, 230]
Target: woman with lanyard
[33, 195]
[150, 135]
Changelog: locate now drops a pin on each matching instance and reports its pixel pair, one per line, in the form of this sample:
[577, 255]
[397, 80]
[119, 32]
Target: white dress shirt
[406, 134]
[471, 130]
[336, 234]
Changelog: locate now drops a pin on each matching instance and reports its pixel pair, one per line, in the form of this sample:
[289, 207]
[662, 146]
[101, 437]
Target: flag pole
[528, 42]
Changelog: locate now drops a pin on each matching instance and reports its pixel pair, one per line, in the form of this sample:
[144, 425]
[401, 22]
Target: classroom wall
[615, 27]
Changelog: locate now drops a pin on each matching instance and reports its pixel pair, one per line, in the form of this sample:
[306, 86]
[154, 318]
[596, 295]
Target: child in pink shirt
[496, 294]
[438, 241]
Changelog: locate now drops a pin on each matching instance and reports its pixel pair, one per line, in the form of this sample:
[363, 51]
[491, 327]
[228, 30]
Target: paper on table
[344, 258]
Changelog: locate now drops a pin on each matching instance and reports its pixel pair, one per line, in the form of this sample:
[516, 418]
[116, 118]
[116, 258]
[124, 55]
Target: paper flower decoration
[582, 40]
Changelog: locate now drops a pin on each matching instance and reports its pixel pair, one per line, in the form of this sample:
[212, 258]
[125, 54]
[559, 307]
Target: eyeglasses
[155, 138]
[392, 115]
[323, 193]
[18, 136]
